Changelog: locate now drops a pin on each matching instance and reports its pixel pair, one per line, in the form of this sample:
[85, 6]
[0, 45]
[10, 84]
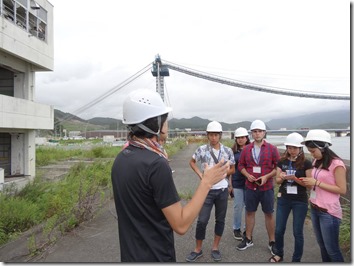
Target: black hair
[327, 154]
[235, 147]
[300, 159]
[151, 123]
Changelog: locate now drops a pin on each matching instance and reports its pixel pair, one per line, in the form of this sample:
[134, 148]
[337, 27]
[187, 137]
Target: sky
[293, 45]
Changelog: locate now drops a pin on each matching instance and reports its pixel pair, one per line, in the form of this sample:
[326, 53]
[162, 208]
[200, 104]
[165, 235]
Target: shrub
[17, 215]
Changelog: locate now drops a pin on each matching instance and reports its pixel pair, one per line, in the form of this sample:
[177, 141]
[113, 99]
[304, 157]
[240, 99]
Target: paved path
[97, 240]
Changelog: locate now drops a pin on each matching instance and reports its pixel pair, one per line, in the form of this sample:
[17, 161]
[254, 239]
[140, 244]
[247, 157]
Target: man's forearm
[271, 174]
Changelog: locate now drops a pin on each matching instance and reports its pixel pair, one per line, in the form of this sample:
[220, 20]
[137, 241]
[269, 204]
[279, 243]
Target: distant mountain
[59, 115]
[333, 119]
[198, 123]
[71, 122]
[109, 123]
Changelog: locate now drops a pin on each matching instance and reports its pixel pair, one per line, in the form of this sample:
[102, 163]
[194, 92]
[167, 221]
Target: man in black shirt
[147, 203]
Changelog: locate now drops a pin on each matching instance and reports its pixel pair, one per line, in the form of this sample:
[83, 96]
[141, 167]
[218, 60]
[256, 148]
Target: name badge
[257, 169]
[291, 189]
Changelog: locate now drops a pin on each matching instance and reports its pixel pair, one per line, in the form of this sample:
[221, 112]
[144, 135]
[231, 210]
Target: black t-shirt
[142, 186]
[301, 191]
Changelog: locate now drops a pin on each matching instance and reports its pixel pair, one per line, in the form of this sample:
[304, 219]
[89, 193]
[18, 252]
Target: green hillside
[69, 122]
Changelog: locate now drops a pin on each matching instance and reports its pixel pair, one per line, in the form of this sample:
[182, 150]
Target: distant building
[117, 134]
[73, 134]
[41, 141]
[109, 138]
[26, 46]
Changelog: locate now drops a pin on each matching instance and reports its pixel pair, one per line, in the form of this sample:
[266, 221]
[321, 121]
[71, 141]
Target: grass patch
[175, 146]
[345, 229]
[62, 205]
[51, 155]
[59, 205]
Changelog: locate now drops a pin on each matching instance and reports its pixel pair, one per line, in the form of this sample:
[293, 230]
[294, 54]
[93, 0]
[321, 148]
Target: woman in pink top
[327, 183]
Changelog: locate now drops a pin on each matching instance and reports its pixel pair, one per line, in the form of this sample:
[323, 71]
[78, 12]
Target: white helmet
[141, 105]
[258, 124]
[318, 135]
[294, 139]
[241, 132]
[214, 126]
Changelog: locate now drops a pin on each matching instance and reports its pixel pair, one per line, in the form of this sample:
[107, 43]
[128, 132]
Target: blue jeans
[284, 207]
[219, 198]
[326, 228]
[239, 206]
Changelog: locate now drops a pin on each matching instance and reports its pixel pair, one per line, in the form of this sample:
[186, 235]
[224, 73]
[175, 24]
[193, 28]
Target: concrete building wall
[18, 113]
[30, 153]
[17, 154]
[19, 42]
[24, 52]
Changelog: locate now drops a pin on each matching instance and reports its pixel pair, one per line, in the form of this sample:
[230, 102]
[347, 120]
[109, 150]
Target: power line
[251, 86]
[106, 94]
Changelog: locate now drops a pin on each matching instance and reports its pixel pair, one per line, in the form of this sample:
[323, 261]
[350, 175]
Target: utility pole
[117, 129]
[159, 71]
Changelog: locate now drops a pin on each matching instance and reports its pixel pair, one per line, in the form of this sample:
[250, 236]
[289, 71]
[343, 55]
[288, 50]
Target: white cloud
[301, 45]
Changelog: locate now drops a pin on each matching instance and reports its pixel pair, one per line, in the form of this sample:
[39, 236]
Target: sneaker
[246, 243]
[271, 247]
[194, 256]
[237, 234]
[216, 255]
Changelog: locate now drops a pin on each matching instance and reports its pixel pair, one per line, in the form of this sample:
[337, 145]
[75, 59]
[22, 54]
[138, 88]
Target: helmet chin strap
[145, 128]
[301, 152]
[319, 147]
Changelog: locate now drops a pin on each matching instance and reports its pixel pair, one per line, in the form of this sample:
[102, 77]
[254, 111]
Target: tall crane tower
[159, 71]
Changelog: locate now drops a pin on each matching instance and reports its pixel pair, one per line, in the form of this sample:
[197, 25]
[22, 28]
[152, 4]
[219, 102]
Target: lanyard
[211, 151]
[317, 172]
[290, 165]
[315, 176]
[219, 154]
[256, 159]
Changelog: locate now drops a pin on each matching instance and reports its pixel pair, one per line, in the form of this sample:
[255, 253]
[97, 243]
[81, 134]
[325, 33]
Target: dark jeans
[326, 228]
[219, 198]
[284, 207]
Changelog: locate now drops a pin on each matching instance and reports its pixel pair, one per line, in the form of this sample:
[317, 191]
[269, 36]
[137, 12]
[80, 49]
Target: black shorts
[254, 197]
